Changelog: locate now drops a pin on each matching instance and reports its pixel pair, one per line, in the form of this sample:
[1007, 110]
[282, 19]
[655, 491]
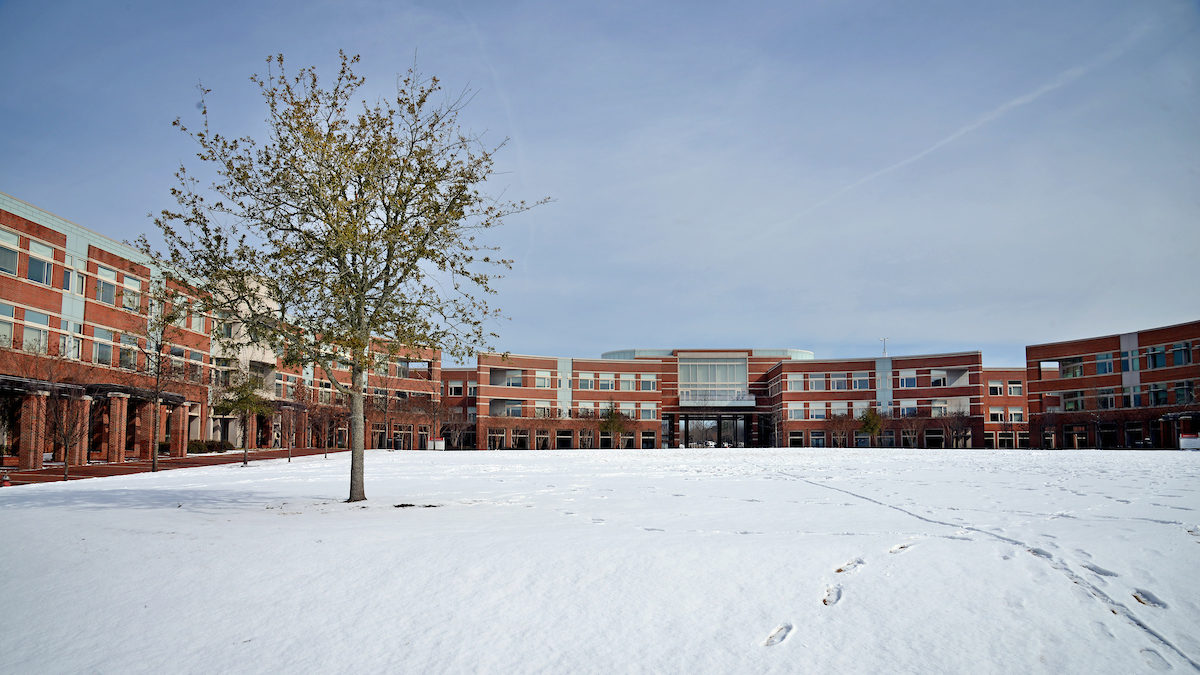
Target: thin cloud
[1061, 80]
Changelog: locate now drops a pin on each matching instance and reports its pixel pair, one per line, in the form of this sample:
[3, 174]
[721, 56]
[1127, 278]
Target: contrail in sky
[1063, 79]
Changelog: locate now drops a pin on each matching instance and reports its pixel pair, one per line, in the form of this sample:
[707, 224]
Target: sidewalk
[55, 473]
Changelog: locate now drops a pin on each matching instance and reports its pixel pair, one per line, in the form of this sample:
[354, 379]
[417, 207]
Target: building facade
[76, 383]
[1129, 390]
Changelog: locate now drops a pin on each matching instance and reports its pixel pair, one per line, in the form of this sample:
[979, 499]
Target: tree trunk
[245, 440]
[357, 441]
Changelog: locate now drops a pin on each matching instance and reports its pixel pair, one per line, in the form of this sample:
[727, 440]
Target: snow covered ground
[717, 561]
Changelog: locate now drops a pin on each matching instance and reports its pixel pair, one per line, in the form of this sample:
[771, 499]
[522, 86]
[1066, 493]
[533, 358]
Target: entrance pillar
[178, 429]
[33, 430]
[250, 433]
[79, 454]
[118, 407]
[302, 430]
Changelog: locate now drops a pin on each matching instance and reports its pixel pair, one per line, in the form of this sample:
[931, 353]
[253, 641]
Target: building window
[34, 338]
[795, 381]
[40, 271]
[1129, 362]
[995, 414]
[454, 388]
[1014, 388]
[995, 388]
[838, 408]
[1104, 363]
[817, 438]
[1181, 353]
[816, 411]
[1072, 401]
[862, 439]
[1105, 399]
[937, 378]
[8, 256]
[472, 388]
[585, 381]
[1072, 367]
[1185, 393]
[1016, 414]
[542, 409]
[605, 382]
[1157, 393]
[541, 379]
[862, 380]
[816, 382]
[795, 439]
[103, 351]
[839, 382]
[937, 408]
[907, 379]
[648, 383]
[128, 355]
[908, 408]
[198, 326]
[1156, 357]
[649, 411]
[795, 411]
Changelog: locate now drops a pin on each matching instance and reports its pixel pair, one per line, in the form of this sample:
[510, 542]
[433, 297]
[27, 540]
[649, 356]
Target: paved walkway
[55, 473]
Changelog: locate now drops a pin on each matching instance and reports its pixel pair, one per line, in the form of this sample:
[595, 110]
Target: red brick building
[1129, 390]
[73, 323]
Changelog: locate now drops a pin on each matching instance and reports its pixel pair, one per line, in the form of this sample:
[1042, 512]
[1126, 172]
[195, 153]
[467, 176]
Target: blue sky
[950, 175]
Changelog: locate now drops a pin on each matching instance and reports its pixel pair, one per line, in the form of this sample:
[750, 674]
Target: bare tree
[350, 232]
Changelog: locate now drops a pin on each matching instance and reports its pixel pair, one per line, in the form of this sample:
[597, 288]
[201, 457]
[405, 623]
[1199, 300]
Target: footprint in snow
[778, 635]
[899, 547]
[1099, 570]
[1041, 553]
[1155, 660]
[850, 566]
[653, 529]
[1147, 598]
[832, 595]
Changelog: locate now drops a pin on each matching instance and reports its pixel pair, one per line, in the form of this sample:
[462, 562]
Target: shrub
[196, 447]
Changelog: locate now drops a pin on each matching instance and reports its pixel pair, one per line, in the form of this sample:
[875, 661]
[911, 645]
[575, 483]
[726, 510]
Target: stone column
[250, 433]
[33, 430]
[118, 408]
[302, 430]
[145, 422]
[178, 422]
[79, 454]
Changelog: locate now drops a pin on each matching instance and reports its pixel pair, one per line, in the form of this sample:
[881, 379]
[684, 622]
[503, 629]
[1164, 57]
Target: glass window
[995, 388]
[586, 381]
[862, 380]
[907, 379]
[795, 411]
[1106, 399]
[1158, 393]
[1016, 414]
[454, 388]
[1129, 362]
[1014, 388]
[106, 292]
[39, 271]
[1156, 357]
[937, 378]
[795, 381]
[10, 238]
[908, 408]
[1185, 393]
[648, 382]
[541, 379]
[627, 383]
[995, 414]
[937, 408]
[605, 382]
[817, 438]
[8, 260]
[1072, 401]
[34, 339]
[1104, 363]
[816, 411]
[816, 382]
[5, 334]
[1181, 353]
[132, 301]
[649, 411]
